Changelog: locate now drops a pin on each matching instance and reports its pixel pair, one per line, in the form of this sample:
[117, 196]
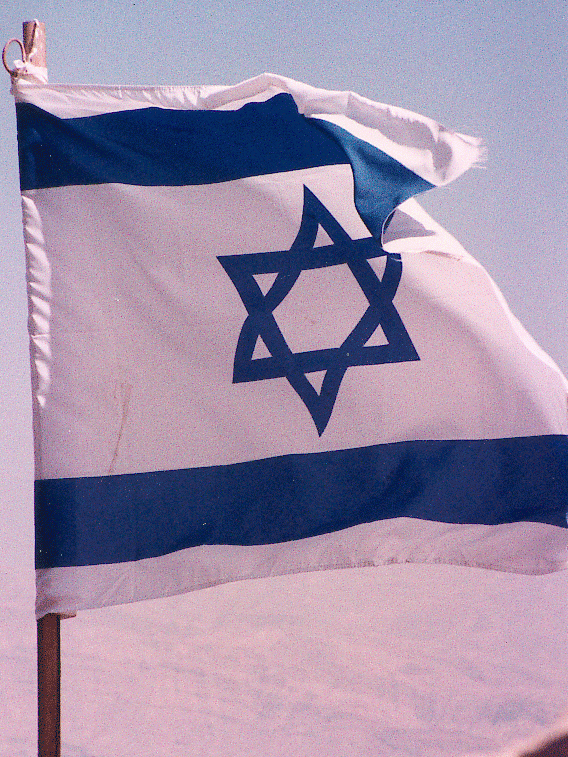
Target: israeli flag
[253, 353]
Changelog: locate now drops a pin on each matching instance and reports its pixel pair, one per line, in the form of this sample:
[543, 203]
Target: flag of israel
[253, 353]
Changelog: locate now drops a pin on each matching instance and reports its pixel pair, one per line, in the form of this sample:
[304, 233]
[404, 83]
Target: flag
[253, 353]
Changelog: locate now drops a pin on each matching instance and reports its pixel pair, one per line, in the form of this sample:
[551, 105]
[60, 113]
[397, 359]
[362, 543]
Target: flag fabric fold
[253, 353]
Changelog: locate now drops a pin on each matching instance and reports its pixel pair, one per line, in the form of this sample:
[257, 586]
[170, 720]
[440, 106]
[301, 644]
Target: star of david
[260, 322]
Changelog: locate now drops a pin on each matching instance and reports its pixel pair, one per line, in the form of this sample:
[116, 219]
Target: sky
[489, 68]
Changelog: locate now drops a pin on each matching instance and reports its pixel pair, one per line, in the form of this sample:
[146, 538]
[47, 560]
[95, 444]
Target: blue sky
[490, 69]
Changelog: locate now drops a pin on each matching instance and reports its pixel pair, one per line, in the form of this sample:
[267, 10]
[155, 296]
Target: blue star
[288, 265]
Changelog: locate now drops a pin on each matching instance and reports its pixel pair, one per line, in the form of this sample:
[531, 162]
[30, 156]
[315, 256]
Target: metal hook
[13, 71]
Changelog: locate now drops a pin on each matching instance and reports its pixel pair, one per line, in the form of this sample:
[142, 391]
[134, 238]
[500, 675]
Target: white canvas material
[249, 362]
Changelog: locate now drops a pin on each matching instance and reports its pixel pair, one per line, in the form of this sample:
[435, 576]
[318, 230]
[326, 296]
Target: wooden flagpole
[48, 627]
[34, 43]
[49, 685]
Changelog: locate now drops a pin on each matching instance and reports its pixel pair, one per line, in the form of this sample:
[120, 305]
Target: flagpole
[48, 627]
[49, 685]
[34, 43]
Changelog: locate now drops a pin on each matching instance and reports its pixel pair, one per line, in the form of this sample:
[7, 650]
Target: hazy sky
[488, 68]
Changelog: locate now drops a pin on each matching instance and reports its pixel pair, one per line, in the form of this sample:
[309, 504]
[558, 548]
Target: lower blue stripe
[109, 519]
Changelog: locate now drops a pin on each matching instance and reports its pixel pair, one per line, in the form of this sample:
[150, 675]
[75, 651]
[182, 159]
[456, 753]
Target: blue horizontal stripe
[121, 518]
[163, 147]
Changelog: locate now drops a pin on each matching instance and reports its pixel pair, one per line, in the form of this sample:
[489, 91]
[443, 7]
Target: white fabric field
[413, 661]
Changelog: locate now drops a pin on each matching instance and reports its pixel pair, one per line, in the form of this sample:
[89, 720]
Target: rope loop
[13, 71]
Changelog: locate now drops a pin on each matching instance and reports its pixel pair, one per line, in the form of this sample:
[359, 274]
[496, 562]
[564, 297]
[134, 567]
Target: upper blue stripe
[162, 147]
[109, 519]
